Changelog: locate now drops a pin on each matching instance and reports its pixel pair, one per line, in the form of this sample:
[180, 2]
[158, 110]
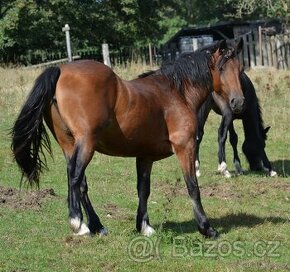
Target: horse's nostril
[232, 102]
[237, 104]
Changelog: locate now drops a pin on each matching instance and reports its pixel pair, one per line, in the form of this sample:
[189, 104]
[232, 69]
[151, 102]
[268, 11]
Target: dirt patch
[223, 190]
[113, 211]
[16, 199]
[218, 190]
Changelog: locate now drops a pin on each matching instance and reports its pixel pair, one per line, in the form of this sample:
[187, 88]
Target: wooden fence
[262, 50]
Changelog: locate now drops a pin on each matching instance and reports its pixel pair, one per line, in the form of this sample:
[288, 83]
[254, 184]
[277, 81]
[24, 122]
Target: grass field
[251, 212]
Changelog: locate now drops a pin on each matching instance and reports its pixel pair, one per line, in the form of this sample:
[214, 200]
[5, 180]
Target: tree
[36, 24]
[253, 9]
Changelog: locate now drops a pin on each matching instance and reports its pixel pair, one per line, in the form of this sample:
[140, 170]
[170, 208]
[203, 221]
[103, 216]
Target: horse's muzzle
[237, 104]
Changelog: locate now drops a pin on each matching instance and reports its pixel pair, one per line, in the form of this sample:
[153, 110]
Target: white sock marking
[197, 171]
[75, 223]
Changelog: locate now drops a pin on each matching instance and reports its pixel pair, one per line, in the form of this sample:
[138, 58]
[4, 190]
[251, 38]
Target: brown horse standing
[89, 108]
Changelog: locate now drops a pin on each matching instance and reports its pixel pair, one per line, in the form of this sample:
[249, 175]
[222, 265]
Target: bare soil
[24, 199]
[223, 190]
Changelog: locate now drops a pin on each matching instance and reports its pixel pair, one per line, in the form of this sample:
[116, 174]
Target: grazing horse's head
[254, 149]
[226, 70]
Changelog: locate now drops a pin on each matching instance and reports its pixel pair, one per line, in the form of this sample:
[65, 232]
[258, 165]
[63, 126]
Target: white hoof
[273, 173]
[197, 173]
[226, 174]
[222, 168]
[83, 230]
[103, 232]
[147, 230]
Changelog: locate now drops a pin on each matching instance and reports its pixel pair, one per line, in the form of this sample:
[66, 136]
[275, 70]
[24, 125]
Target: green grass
[251, 212]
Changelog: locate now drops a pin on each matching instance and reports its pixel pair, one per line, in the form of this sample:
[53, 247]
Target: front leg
[201, 117]
[185, 151]
[234, 143]
[144, 167]
[222, 137]
[267, 167]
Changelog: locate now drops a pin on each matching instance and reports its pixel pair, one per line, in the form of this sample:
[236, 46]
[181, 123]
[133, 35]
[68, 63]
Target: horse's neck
[195, 97]
[253, 127]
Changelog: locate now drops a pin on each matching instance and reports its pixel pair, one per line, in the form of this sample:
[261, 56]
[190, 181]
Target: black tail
[29, 135]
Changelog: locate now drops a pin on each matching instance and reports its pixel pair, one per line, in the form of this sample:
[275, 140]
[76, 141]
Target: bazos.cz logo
[144, 249]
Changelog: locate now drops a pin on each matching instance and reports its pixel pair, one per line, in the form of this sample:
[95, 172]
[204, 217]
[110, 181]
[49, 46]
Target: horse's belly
[137, 142]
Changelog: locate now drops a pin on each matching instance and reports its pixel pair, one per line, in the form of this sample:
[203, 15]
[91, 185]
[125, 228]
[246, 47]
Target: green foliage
[35, 25]
[248, 9]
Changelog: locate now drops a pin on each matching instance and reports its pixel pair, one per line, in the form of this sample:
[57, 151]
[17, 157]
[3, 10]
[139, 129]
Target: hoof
[197, 173]
[239, 169]
[103, 232]
[83, 230]
[273, 173]
[209, 233]
[147, 230]
[226, 174]
[222, 168]
[75, 224]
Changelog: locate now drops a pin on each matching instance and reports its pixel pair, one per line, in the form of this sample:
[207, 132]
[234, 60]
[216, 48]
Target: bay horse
[88, 108]
[254, 131]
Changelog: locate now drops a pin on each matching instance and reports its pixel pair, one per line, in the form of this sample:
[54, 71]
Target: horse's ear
[223, 45]
[217, 50]
[239, 46]
[266, 130]
[217, 47]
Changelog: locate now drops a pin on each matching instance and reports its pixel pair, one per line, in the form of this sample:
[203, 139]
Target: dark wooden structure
[264, 45]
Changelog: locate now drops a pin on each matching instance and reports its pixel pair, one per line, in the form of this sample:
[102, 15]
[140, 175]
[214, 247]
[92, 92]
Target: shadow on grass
[282, 167]
[225, 223]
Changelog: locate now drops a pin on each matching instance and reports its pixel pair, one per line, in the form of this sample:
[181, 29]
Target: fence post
[251, 50]
[150, 55]
[66, 29]
[106, 54]
[260, 47]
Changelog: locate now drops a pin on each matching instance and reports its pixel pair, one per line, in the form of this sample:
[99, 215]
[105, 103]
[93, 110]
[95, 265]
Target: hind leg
[75, 170]
[94, 222]
[78, 192]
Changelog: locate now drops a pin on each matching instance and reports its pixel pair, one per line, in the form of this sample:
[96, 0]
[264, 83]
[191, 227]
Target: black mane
[190, 69]
[193, 69]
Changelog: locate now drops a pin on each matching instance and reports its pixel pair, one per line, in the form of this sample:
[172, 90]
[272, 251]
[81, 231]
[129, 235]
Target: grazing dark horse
[254, 131]
[88, 108]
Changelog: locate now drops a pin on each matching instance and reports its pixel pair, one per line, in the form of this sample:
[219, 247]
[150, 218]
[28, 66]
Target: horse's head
[254, 150]
[226, 70]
